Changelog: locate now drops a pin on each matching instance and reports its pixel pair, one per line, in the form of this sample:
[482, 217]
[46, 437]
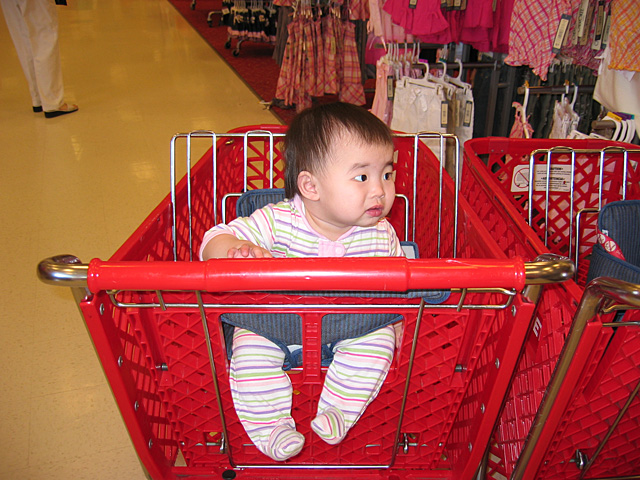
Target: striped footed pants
[262, 392]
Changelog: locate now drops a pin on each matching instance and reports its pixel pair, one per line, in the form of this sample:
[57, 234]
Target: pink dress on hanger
[521, 127]
[477, 24]
[359, 10]
[382, 107]
[533, 29]
[382, 26]
[502, 25]
[330, 48]
[351, 90]
[425, 19]
[428, 18]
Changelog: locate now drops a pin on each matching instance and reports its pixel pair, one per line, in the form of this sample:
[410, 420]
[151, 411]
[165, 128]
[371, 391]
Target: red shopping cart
[539, 196]
[154, 315]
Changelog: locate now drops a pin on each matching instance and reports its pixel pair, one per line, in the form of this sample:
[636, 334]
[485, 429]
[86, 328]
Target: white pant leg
[353, 381]
[33, 25]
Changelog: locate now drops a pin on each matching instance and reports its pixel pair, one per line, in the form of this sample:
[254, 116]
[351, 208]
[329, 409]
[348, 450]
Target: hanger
[525, 102]
[566, 92]
[631, 130]
[457, 80]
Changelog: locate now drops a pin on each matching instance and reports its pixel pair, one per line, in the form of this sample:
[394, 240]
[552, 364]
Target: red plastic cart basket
[538, 196]
[154, 317]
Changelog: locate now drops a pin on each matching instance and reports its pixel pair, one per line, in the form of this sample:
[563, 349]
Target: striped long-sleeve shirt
[283, 229]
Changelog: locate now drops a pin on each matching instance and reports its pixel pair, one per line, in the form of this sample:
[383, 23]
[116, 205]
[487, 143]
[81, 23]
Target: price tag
[581, 20]
[605, 33]
[444, 113]
[225, 11]
[563, 26]
[468, 112]
[600, 20]
[413, 3]
[587, 26]
[390, 89]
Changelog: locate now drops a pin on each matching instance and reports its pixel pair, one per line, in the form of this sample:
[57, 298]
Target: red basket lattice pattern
[489, 168]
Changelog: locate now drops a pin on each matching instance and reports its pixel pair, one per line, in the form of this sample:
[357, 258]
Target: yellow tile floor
[81, 184]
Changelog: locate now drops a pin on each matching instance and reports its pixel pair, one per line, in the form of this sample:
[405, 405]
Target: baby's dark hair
[315, 131]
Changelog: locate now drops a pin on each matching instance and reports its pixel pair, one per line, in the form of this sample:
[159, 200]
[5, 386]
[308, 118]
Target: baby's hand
[248, 250]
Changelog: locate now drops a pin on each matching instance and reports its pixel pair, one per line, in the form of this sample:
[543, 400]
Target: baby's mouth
[375, 211]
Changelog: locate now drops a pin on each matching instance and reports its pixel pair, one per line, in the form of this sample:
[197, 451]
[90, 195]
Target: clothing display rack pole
[556, 89]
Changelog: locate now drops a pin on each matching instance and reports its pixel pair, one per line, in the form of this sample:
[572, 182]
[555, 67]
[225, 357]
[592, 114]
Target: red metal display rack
[153, 313]
[538, 196]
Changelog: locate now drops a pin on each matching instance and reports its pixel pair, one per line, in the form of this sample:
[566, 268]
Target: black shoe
[63, 110]
[37, 109]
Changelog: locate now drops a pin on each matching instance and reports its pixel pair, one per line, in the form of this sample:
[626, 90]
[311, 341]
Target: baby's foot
[329, 425]
[284, 442]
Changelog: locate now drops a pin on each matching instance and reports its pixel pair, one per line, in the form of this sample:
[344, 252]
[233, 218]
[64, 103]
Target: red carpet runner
[254, 64]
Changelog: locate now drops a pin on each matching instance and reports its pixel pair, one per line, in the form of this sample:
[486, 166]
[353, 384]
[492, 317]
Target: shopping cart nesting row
[154, 315]
[539, 196]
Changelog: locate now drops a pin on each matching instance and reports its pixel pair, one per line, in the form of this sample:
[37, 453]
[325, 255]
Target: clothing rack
[555, 89]
[495, 87]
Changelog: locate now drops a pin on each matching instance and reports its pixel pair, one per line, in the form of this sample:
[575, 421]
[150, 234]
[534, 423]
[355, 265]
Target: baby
[339, 186]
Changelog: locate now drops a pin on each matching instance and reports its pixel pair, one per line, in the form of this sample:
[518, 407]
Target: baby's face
[356, 187]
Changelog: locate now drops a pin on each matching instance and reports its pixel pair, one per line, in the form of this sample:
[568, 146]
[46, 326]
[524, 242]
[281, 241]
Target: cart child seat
[617, 253]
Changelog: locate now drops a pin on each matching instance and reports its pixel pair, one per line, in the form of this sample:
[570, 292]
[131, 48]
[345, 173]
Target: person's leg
[353, 380]
[13, 15]
[261, 393]
[41, 18]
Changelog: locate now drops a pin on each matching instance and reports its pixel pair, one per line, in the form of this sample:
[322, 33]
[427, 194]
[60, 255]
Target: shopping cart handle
[395, 274]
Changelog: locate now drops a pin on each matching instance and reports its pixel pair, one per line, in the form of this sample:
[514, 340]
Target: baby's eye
[361, 178]
[390, 175]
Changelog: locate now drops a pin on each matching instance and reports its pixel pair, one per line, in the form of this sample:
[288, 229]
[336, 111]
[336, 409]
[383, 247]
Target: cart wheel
[228, 44]
[236, 52]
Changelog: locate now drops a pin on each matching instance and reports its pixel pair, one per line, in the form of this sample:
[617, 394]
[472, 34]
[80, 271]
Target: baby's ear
[307, 185]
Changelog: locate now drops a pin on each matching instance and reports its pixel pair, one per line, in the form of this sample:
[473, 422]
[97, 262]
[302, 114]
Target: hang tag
[444, 113]
[413, 3]
[581, 20]
[563, 27]
[456, 4]
[390, 89]
[587, 26]
[225, 11]
[605, 32]
[600, 19]
[468, 110]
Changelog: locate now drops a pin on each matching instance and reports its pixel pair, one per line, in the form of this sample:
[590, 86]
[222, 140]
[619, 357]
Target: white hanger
[616, 132]
[457, 80]
[525, 101]
[566, 92]
[631, 130]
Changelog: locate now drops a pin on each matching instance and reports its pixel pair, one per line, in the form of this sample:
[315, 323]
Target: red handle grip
[395, 274]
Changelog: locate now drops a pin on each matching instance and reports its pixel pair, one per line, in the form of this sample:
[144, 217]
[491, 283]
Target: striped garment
[261, 391]
[284, 231]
